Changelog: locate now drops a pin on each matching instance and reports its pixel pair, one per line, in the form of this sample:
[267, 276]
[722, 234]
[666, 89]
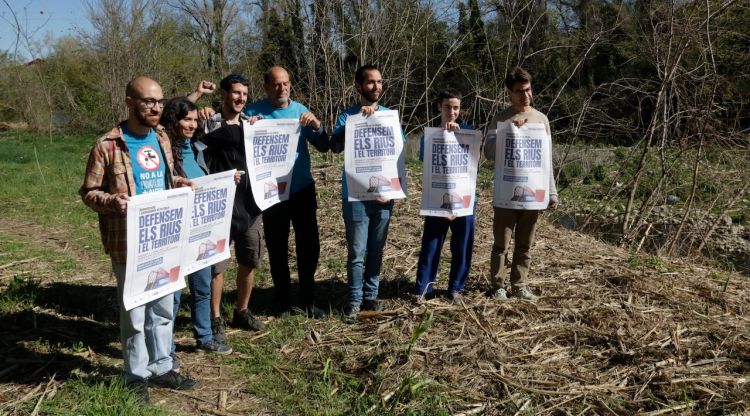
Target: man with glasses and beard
[136, 158]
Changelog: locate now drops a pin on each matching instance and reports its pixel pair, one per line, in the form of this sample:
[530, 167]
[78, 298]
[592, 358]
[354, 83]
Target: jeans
[200, 305]
[366, 231]
[301, 210]
[462, 244]
[145, 334]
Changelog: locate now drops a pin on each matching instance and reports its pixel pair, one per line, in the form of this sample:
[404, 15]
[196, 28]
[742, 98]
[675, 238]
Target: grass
[93, 397]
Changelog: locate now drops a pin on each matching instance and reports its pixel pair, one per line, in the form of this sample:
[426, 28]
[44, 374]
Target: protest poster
[270, 150]
[157, 227]
[523, 165]
[210, 220]
[449, 176]
[374, 157]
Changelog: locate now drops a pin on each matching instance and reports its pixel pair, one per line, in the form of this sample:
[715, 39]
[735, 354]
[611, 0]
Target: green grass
[80, 396]
[39, 182]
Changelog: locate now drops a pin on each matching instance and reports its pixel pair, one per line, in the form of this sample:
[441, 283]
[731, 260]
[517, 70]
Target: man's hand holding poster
[271, 149]
[450, 172]
[157, 224]
[374, 157]
[523, 164]
[210, 220]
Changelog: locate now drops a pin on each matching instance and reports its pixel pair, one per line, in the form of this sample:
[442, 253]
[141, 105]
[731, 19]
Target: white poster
[450, 172]
[374, 157]
[271, 149]
[210, 220]
[157, 230]
[523, 163]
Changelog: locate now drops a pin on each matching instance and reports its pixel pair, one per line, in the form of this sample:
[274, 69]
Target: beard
[149, 120]
[371, 96]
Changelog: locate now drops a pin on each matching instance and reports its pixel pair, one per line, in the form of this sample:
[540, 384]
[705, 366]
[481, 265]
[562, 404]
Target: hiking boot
[350, 314]
[455, 297]
[215, 347]
[140, 390]
[500, 294]
[244, 319]
[525, 293]
[175, 362]
[172, 380]
[219, 330]
[371, 305]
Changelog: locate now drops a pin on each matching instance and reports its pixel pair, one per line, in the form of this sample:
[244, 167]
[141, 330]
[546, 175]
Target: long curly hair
[175, 110]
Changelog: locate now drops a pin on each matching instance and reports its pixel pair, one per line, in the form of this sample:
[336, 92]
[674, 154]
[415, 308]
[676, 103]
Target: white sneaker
[525, 293]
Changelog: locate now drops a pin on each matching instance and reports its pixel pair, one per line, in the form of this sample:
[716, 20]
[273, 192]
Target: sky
[41, 19]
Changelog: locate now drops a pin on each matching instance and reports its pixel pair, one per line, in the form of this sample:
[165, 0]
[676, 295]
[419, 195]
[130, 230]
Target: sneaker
[500, 294]
[371, 305]
[215, 346]
[244, 319]
[455, 297]
[311, 311]
[350, 314]
[218, 330]
[525, 293]
[140, 390]
[175, 362]
[172, 380]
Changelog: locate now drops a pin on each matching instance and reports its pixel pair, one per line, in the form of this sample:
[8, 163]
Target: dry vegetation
[613, 333]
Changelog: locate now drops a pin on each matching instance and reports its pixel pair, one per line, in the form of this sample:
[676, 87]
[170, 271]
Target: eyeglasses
[150, 102]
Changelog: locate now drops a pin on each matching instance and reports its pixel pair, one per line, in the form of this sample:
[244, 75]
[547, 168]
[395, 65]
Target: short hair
[130, 90]
[231, 79]
[267, 74]
[447, 94]
[359, 75]
[517, 74]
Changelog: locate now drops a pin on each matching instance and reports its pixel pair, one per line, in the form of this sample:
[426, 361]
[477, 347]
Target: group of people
[165, 144]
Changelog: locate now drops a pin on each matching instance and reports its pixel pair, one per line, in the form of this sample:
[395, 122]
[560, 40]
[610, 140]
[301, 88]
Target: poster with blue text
[374, 157]
[270, 150]
[157, 232]
[523, 165]
[449, 176]
[210, 220]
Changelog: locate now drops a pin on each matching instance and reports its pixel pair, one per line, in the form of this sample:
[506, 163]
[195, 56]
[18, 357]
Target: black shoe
[244, 319]
[215, 346]
[350, 314]
[140, 390]
[218, 330]
[172, 380]
[312, 311]
[371, 305]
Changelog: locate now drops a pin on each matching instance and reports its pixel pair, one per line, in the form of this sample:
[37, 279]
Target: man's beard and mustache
[149, 120]
[372, 96]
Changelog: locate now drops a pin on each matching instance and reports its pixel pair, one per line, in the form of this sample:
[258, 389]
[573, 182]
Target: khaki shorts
[248, 246]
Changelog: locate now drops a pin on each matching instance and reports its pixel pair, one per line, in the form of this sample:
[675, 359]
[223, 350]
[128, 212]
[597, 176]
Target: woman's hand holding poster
[523, 164]
[271, 149]
[374, 157]
[210, 220]
[450, 172]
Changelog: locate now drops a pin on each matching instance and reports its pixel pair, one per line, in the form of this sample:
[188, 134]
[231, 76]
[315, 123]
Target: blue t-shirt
[148, 165]
[340, 128]
[301, 175]
[189, 163]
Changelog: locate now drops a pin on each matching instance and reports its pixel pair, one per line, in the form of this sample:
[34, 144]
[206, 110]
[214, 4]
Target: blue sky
[41, 19]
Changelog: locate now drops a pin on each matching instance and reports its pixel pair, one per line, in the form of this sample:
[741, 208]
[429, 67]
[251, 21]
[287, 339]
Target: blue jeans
[433, 237]
[200, 305]
[145, 334]
[366, 231]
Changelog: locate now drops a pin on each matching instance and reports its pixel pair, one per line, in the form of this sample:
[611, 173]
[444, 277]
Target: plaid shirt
[110, 172]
